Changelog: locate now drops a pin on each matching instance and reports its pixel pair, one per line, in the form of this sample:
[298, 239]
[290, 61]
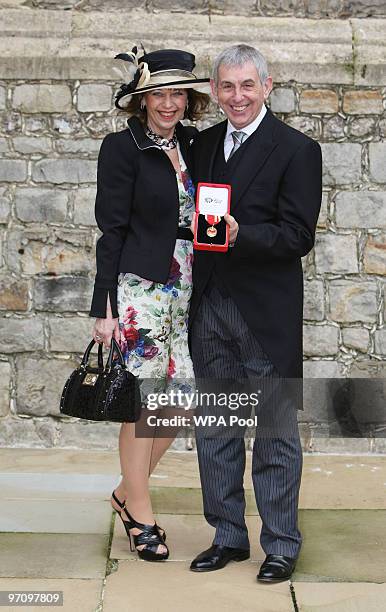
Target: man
[246, 310]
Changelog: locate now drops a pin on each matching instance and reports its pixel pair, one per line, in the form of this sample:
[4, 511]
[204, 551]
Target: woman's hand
[104, 330]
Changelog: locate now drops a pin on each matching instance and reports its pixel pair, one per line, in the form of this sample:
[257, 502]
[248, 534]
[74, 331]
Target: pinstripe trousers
[224, 353]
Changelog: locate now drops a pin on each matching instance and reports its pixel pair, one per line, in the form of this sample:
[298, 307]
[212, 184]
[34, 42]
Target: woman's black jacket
[136, 209]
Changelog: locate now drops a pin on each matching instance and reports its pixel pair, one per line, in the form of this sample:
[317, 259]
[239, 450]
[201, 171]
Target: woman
[144, 206]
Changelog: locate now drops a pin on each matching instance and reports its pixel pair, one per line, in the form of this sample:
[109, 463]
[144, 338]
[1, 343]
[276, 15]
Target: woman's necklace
[162, 142]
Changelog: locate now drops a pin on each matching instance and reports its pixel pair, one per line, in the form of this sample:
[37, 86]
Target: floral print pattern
[153, 317]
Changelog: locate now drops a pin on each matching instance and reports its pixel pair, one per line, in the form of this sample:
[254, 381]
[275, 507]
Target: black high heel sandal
[150, 536]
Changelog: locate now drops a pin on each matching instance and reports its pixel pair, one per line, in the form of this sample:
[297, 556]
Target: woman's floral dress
[153, 317]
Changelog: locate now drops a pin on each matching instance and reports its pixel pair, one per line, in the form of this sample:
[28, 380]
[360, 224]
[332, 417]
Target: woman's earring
[142, 104]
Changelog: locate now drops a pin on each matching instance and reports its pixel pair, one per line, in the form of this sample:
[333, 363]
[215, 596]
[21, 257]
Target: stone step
[328, 481]
[338, 545]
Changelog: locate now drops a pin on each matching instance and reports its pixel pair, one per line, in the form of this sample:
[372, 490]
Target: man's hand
[233, 228]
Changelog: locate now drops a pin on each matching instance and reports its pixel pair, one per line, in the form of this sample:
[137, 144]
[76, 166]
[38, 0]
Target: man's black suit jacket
[276, 196]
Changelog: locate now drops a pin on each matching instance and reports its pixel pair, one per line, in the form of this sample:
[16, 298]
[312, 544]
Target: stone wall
[56, 104]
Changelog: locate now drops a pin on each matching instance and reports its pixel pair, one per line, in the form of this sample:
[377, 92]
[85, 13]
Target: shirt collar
[248, 129]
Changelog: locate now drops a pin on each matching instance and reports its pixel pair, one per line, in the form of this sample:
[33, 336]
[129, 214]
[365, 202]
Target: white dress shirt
[248, 129]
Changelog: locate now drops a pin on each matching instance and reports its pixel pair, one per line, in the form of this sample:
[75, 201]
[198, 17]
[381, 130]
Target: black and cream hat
[166, 68]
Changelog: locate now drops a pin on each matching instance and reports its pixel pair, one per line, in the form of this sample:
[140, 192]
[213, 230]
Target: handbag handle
[86, 355]
[113, 347]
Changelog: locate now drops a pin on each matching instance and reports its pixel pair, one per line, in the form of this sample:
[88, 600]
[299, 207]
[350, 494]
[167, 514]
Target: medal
[212, 220]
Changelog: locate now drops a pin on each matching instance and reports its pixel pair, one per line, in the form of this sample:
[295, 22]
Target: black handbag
[109, 393]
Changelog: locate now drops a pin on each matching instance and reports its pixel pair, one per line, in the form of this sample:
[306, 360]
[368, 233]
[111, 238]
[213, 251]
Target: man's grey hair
[237, 55]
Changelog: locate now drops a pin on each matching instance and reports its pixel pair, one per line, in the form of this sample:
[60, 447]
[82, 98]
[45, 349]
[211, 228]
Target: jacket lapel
[257, 149]
[185, 137]
[206, 152]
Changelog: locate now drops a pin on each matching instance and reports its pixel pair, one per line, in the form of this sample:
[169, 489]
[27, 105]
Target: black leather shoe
[276, 568]
[217, 557]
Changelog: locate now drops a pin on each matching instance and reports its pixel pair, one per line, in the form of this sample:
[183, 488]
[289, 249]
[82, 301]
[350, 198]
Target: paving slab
[40, 485]
[342, 546]
[161, 587]
[340, 597]
[42, 555]
[187, 535]
[78, 595]
[50, 516]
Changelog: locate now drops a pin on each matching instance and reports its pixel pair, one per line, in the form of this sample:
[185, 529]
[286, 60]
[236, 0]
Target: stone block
[377, 154]
[341, 163]
[34, 144]
[369, 49]
[84, 434]
[39, 384]
[3, 97]
[10, 122]
[13, 293]
[313, 300]
[5, 380]
[100, 126]
[180, 5]
[70, 334]
[361, 127]
[308, 125]
[21, 335]
[57, 258]
[336, 253]
[356, 338]
[17, 239]
[4, 148]
[94, 97]
[84, 205]
[380, 342]
[375, 254]
[321, 368]
[63, 294]
[334, 127]
[13, 170]
[320, 340]
[89, 146]
[363, 8]
[355, 209]
[368, 391]
[5, 205]
[41, 205]
[323, 215]
[282, 100]
[362, 102]
[64, 171]
[26, 433]
[382, 128]
[68, 124]
[36, 124]
[319, 101]
[42, 98]
[352, 301]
